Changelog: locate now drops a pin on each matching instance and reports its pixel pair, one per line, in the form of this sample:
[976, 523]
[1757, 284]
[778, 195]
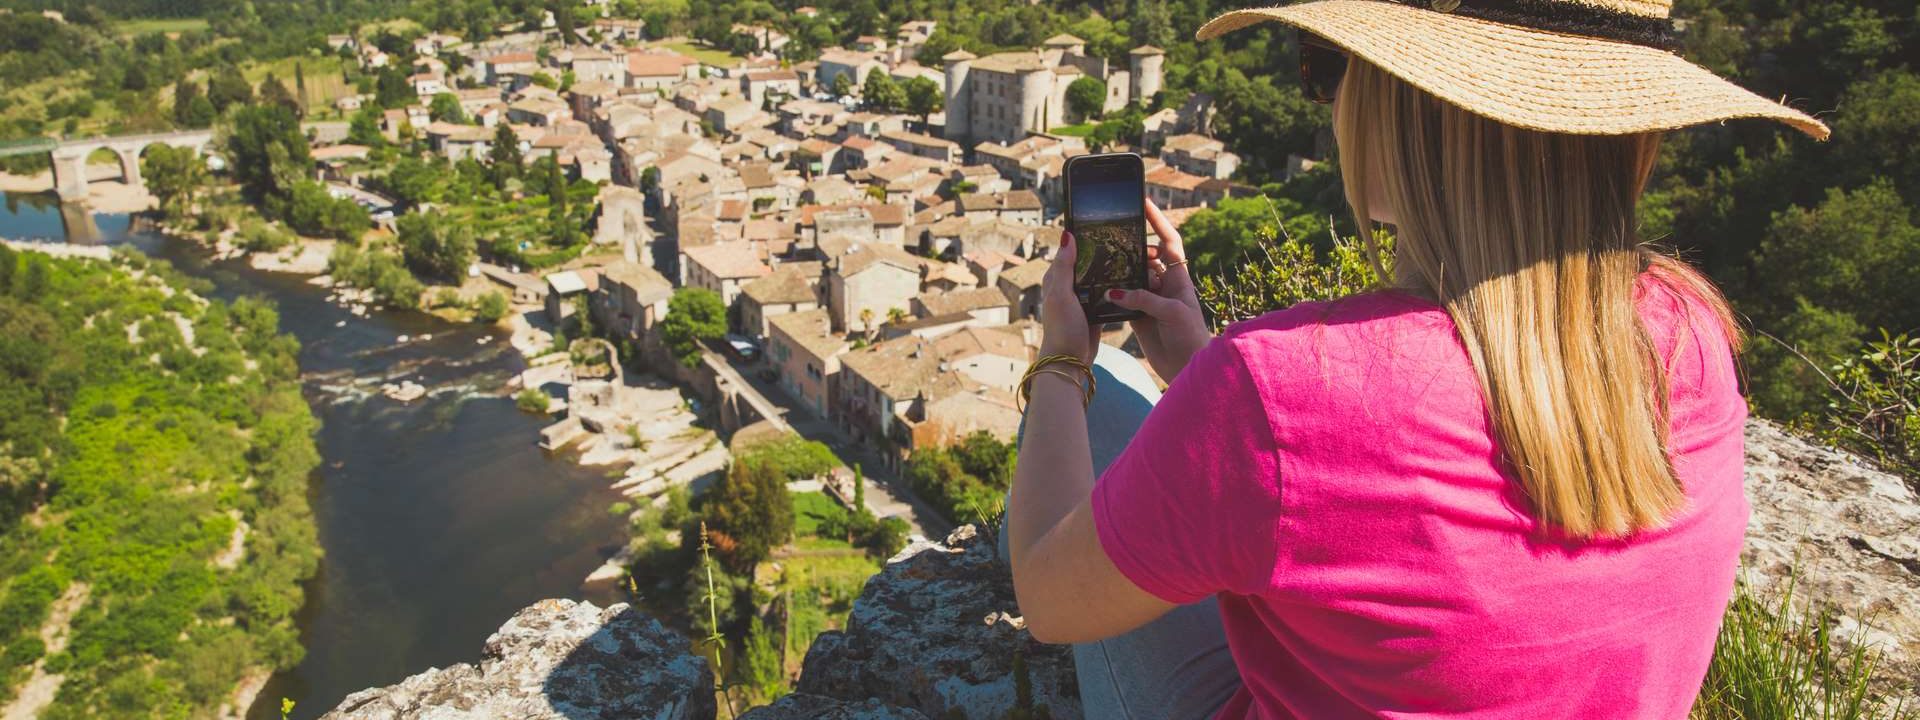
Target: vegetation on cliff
[154, 455]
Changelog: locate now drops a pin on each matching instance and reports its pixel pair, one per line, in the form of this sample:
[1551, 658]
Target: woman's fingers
[1153, 304]
[1172, 249]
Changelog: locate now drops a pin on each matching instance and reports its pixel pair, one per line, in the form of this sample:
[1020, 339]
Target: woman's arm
[1067, 587]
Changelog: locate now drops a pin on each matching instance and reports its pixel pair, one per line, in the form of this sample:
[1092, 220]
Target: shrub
[1875, 409]
[694, 315]
[490, 307]
[532, 400]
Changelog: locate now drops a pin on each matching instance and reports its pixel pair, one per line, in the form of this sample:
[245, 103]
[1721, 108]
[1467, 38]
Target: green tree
[227, 88]
[1786, 368]
[364, 128]
[1857, 251]
[312, 210]
[750, 508]
[1086, 97]
[267, 153]
[880, 92]
[1227, 235]
[274, 92]
[504, 156]
[435, 245]
[300, 84]
[842, 85]
[694, 316]
[924, 97]
[189, 105]
[135, 78]
[762, 660]
[173, 175]
[392, 90]
[445, 107]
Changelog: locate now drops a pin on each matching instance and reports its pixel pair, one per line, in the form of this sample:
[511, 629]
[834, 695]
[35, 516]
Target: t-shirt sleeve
[1192, 507]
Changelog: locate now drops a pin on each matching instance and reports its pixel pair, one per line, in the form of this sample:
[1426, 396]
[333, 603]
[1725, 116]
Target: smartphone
[1107, 214]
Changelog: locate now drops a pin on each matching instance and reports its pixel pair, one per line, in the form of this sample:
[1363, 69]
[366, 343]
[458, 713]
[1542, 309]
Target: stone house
[1199, 155]
[888, 390]
[1021, 207]
[1021, 286]
[986, 304]
[631, 299]
[722, 268]
[923, 145]
[756, 86]
[864, 285]
[562, 287]
[786, 290]
[806, 356]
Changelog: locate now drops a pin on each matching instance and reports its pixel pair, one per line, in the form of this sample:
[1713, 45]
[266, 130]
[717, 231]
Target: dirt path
[41, 688]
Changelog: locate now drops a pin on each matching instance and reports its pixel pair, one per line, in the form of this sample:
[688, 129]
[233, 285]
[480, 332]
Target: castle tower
[959, 97]
[1146, 62]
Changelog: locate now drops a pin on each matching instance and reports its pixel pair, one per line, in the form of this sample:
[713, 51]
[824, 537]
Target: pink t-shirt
[1329, 472]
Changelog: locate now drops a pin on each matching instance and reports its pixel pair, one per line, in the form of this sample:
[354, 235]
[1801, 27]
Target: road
[887, 492]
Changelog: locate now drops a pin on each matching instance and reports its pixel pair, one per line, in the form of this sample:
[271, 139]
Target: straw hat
[1591, 67]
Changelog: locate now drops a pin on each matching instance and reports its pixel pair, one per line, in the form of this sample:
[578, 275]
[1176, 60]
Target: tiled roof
[1027, 275]
[959, 301]
[785, 285]
[728, 260]
[811, 330]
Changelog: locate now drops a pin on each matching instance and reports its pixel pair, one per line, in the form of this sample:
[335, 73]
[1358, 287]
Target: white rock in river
[340, 323]
[400, 339]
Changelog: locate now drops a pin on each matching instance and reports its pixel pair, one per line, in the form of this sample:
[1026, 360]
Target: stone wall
[935, 635]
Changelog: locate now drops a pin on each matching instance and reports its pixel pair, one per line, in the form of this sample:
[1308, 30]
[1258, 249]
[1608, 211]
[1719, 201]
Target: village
[879, 261]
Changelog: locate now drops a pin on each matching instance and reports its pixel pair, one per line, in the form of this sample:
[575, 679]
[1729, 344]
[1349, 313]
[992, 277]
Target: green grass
[1080, 130]
[705, 55]
[142, 26]
[811, 509]
[1774, 660]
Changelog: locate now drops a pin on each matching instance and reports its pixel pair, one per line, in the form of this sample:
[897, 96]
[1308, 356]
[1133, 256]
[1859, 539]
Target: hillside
[154, 528]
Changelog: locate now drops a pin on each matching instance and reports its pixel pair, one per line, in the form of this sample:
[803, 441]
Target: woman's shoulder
[1372, 317]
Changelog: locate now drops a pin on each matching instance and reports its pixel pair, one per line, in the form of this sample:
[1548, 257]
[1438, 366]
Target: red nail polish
[1066, 237]
[1116, 294]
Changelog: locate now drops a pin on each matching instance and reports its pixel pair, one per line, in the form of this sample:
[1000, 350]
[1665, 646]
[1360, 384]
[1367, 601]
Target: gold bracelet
[1077, 363]
[1026, 386]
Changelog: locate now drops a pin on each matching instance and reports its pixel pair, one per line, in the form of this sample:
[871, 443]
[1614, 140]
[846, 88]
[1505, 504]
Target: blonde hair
[1527, 239]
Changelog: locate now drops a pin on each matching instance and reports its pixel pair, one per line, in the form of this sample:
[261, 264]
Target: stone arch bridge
[70, 156]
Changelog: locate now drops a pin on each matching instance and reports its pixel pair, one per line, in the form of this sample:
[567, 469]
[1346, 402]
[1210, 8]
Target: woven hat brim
[1528, 78]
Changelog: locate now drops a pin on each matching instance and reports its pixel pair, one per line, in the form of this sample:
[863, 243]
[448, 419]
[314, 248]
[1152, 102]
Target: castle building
[1004, 96]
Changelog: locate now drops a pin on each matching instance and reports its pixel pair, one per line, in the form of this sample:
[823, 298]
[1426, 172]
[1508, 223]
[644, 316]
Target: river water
[440, 518]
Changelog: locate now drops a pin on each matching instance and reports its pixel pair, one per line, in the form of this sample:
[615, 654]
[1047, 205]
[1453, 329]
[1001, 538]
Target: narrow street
[887, 492]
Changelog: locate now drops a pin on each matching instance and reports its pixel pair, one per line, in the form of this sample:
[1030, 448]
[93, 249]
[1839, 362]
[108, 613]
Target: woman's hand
[1062, 321]
[1173, 329]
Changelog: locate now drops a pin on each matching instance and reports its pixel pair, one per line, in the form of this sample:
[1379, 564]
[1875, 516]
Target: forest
[154, 457]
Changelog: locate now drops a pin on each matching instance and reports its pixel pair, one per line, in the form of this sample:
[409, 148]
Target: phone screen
[1106, 214]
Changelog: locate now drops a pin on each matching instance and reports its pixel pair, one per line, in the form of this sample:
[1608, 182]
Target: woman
[1508, 485]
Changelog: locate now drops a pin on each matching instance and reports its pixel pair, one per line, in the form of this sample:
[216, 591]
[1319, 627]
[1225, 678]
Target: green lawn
[705, 55]
[143, 26]
[1081, 130]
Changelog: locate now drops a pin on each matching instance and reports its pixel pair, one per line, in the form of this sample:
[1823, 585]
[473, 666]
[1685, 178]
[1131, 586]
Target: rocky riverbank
[936, 634]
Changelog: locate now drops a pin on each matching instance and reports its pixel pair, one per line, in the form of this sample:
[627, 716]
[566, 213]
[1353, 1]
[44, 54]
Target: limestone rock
[801, 706]
[937, 631]
[556, 660]
[1850, 532]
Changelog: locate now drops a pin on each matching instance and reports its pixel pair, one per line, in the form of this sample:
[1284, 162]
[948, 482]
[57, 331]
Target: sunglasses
[1322, 64]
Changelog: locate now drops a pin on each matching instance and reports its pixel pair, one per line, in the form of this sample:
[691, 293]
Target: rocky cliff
[935, 635]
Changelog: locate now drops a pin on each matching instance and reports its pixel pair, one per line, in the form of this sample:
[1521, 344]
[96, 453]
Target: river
[440, 518]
